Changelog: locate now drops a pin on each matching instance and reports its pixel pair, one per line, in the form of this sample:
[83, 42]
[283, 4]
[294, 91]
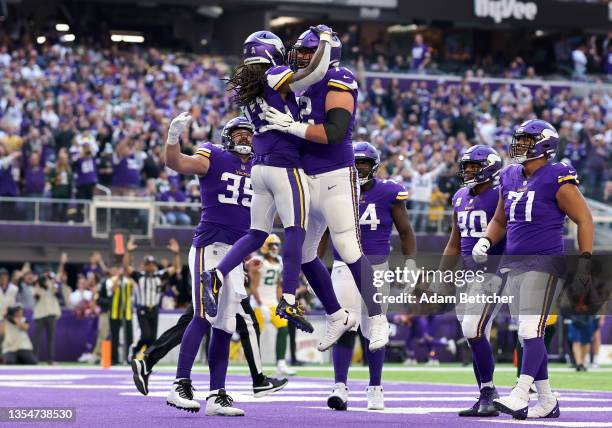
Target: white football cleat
[376, 399]
[547, 407]
[282, 369]
[218, 403]
[181, 396]
[338, 399]
[336, 324]
[516, 404]
[379, 332]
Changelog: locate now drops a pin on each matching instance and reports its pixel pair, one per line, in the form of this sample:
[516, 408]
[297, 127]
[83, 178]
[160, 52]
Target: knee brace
[469, 325]
[528, 327]
[347, 245]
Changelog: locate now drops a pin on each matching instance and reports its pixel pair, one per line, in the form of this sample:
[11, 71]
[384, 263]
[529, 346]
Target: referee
[148, 291]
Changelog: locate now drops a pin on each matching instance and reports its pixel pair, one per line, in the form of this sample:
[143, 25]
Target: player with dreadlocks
[278, 182]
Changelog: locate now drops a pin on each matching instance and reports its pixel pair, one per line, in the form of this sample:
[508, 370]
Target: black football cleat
[141, 376]
[268, 386]
[294, 314]
[484, 406]
[210, 291]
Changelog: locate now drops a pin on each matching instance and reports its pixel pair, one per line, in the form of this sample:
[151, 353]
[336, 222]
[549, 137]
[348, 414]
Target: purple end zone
[109, 398]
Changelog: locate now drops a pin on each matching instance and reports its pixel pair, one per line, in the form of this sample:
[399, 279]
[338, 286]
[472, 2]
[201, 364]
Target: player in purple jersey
[535, 196]
[278, 181]
[382, 204]
[473, 208]
[328, 115]
[225, 183]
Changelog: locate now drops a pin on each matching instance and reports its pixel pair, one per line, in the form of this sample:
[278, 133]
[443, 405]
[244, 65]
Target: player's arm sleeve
[566, 175]
[400, 195]
[337, 121]
[277, 76]
[203, 151]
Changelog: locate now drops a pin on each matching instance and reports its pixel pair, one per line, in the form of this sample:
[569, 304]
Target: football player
[266, 288]
[328, 116]
[382, 204]
[278, 182]
[473, 208]
[225, 186]
[535, 196]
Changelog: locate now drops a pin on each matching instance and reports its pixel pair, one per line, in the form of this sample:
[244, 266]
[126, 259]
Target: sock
[218, 358]
[543, 387]
[542, 373]
[289, 298]
[482, 354]
[523, 383]
[250, 242]
[292, 345]
[375, 364]
[281, 343]
[292, 259]
[534, 353]
[341, 357]
[475, 367]
[487, 385]
[190, 344]
[363, 274]
[320, 281]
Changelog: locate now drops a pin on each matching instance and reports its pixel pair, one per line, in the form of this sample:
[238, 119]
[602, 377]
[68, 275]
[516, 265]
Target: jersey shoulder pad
[277, 75]
[507, 172]
[206, 149]
[396, 191]
[459, 194]
[563, 173]
[341, 78]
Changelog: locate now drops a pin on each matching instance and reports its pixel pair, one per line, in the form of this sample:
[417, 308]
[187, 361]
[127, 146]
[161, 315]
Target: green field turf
[561, 376]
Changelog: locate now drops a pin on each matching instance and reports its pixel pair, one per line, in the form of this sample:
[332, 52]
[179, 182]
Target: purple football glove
[321, 28]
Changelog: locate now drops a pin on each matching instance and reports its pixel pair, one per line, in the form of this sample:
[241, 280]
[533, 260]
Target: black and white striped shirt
[148, 288]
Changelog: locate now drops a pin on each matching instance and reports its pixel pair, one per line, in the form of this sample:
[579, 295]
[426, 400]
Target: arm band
[337, 121]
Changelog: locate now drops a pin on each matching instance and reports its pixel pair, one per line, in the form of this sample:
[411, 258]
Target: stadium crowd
[76, 117]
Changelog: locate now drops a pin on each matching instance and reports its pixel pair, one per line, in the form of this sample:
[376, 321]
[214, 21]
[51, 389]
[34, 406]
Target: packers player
[267, 289]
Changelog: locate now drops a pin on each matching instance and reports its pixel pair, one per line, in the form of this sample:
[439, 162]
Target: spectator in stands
[34, 177]
[47, 308]
[26, 281]
[61, 180]
[95, 266]
[580, 61]
[16, 345]
[84, 168]
[8, 185]
[126, 168]
[421, 188]
[8, 297]
[173, 214]
[420, 54]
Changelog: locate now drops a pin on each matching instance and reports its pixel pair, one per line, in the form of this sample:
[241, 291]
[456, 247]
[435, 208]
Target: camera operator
[47, 308]
[16, 346]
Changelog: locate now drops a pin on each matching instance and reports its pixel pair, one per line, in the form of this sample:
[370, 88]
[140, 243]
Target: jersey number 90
[472, 223]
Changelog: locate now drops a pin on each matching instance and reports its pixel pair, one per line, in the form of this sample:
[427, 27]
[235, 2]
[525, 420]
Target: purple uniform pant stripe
[297, 196]
[198, 285]
[355, 193]
[488, 311]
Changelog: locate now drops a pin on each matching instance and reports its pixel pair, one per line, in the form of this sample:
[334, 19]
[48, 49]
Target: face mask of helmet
[300, 57]
[468, 172]
[365, 171]
[241, 140]
[520, 147]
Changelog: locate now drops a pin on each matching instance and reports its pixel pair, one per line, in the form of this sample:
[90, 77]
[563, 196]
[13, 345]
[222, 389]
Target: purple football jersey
[126, 171]
[225, 192]
[534, 220]
[473, 215]
[320, 158]
[274, 148]
[376, 220]
[85, 169]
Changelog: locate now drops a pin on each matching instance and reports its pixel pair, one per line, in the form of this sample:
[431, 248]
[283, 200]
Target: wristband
[298, 129]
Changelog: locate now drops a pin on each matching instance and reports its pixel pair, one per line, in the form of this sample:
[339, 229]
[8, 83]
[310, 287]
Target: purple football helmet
[263, 47]
[239, 122]
[301, 52]
[366, 151]
[544, 141]
[487, 158]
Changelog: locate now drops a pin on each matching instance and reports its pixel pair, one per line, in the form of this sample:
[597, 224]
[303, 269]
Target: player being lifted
[278, 182]
[224, 175]
[535, 196]
[266, 288]
[382, 204]
[328, 115]
[473, 208]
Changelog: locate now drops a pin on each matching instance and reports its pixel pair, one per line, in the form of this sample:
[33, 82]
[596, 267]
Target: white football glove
[177, 126]
[479, 252]
[284, 122]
